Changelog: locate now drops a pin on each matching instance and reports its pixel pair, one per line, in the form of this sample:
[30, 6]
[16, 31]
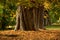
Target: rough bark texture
[30, 18]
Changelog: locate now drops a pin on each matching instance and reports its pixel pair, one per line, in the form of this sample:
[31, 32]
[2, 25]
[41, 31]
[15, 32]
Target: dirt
[30, 35]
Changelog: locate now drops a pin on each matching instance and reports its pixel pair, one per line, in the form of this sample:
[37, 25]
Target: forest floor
[30, 35]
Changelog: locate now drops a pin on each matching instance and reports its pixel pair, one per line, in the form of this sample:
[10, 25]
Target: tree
[30, 7]
[30, 17]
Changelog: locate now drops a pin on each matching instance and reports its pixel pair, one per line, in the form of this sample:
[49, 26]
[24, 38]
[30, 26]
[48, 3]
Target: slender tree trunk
[41, 17]
[25, 19]
[18, 19]
[35, 18]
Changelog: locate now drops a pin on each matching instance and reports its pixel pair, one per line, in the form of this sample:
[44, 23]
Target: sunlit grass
[55, 27]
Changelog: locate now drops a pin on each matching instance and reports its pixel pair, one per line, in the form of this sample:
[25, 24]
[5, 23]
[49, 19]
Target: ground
[30, 35]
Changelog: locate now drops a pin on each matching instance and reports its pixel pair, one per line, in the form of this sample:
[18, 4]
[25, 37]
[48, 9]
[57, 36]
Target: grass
[54, 27]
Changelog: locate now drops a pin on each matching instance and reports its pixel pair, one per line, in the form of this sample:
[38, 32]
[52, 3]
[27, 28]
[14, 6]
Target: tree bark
[18, 19]
[41, 17]
[30, 18]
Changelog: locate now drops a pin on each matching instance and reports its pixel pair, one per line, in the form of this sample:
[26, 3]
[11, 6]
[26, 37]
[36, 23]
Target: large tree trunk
[30, 18]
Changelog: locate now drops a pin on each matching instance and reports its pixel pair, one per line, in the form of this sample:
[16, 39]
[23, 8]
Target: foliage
[7, 13]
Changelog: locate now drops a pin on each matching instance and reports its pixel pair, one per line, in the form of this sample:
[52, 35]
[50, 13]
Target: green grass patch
[53, 27]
